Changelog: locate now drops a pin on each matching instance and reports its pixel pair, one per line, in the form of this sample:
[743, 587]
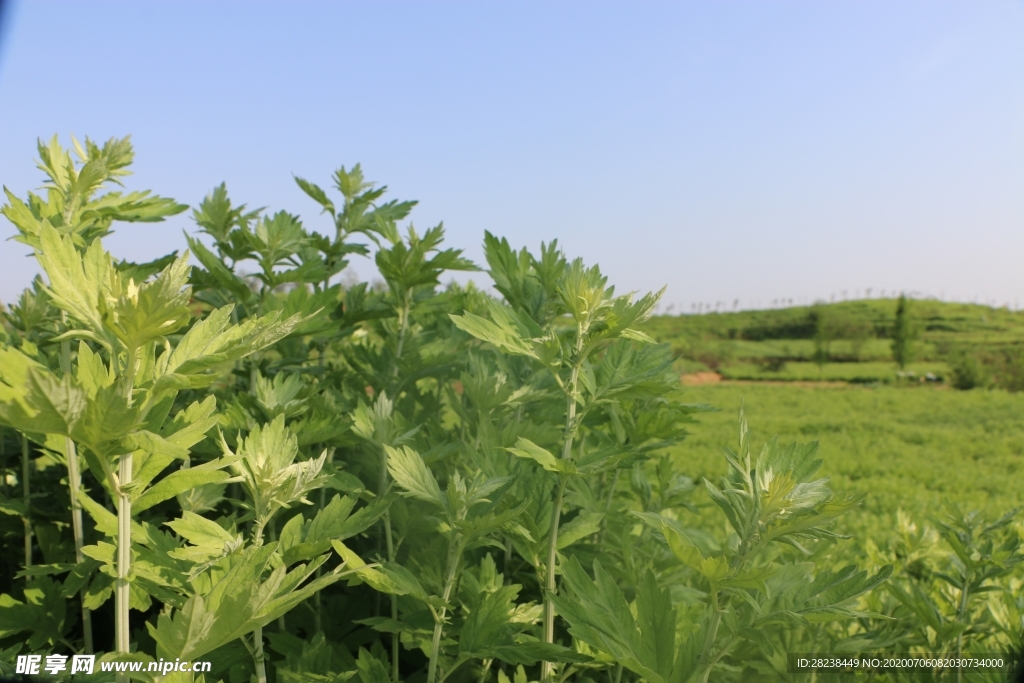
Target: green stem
[272, 526]
[382, 487]
[552, 559]
[74, 484]
[122, 590]
[706, 661]
[78, 531]
[454, 557]
[257, 655]
[485, 669]
[567, 674]
[122, 594]
[403, 329]
[961, 612]
[257, 634]
[26, 491]
[547, 668]
[317, 604]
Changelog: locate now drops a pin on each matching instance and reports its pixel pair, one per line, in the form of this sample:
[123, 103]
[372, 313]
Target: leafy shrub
[1010, 373]
[904, 333]
[967, 370]
[773, 364]
[304, 481]
[1002, 368]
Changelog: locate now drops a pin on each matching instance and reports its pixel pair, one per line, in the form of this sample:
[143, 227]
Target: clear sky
[744, 151]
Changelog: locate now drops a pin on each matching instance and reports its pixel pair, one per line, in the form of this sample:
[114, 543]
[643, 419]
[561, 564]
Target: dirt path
[697, 378]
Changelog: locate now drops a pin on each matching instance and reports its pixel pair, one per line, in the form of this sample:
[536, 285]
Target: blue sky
[734, 151]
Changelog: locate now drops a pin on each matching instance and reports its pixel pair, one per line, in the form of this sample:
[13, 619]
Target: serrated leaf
[582, 526]
[412, 474]
[543, 457]
[370, 669]
[176, 483]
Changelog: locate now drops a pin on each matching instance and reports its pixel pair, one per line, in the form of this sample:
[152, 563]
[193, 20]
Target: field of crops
[223, 456]
[906, 448]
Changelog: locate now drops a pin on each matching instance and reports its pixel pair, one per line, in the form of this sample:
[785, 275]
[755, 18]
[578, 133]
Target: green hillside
[848, 341]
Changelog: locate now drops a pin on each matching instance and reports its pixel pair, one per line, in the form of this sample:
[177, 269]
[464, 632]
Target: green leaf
[582, 526]
[200, 531]
[656, 620]
[217, 273]
[333, 522]
[600, 617]
[186, 632]
[370, 669]
[79, 284]
[389, 578]
[543, 457]
[412, 474]
[628, 372]
[41, 614]
[506, 332]
[215, 344]
[106, 419]
[489, 624]
[317, 194]
[154, 309]
[176, 483]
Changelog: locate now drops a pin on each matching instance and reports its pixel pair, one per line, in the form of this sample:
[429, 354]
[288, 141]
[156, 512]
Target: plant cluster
[904, 333]
[1001, 368]
[244, 462]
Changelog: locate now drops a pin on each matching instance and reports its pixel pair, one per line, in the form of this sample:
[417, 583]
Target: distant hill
[853, 339]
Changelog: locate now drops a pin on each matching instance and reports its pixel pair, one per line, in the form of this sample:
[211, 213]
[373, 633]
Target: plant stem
[549, 606]
[454, 556]
[257, 634]
[122, 590]
[281, 626]
[403, 329]
[705, 662]
[124, 558]
[74, 484]
[485, 669]
[78, 531]
[382, 487]
[26, 491]
[394, 600]
[961, 612]
[547, 668]
[317, 616]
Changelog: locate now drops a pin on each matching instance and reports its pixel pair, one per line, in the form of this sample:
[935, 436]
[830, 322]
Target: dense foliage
[297, 480]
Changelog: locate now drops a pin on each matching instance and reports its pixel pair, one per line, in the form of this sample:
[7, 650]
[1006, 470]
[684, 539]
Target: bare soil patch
[697, 378]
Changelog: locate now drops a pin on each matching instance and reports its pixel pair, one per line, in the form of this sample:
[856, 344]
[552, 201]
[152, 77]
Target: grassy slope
[738, 345]
[939, 321]
[900, 447]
